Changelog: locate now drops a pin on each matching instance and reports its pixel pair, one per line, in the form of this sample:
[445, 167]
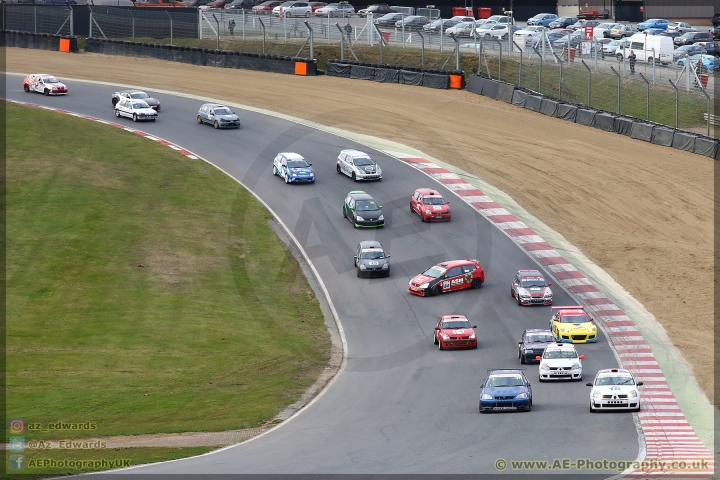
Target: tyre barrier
[442, 79]
[204, 56]
[607, 121]
[39, 41]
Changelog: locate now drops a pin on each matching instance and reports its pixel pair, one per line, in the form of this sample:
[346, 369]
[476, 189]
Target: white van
[643, 46]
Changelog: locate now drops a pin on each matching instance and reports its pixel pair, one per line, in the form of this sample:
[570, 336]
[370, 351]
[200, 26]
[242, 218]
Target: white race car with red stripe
[45, 84]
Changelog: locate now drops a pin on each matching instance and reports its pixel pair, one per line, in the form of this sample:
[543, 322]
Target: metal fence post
[422, 48]
[442, 37]
[382, 41]
[596, 52]
[500, 59]
[403, 29]
[133, 24]
[677, 99]
[35, 18]
[654, 62]
[708, 109]
[218, 31]
[457, 52]
[624, 65]
[171, 27]
[200, 26]
[328, 28]
[618, 96]
[91, 21]
[312, 40]
[72, 21]
[560, 82]
[342, 43]
[540, 73]
[647, 99]
[263, 29]
[521, 62]
[589, 82]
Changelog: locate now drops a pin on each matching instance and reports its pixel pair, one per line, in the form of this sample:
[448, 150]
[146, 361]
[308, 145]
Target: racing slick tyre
[440, 347]
[46, 92]
[275, 172]
[477, 283]
[522, 358]
[117, 113]
[435, 291]
[216, 124]
[358, 272]
[199, 120]
[592, 410]
[26, 88]
[287, 179]
[519, 302]
[354, 178]
[435, 340]
[307, 14]
[134, 117]
[337, 167]
[114, 101]
[344, 214]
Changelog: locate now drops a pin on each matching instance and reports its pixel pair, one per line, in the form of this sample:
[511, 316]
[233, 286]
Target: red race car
[430, 205]
[45, 84]
[454, 331]
[448, 276]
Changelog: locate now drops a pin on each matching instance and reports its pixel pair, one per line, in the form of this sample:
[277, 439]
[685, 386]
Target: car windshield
[297, 164]
[139, 95]
[505, 381]
[560, 354]
[605, 25]
[49, 79]
[544, 338]
[362, 161]
[366, 205]
[435, 272]
[688, 35]
[574, 319]
[140, 105]
[652, 20]
[615, 380]
[532, 282]
[456, 324]
[372, 254]
[222, 111]
[434, 201]
[267, 4]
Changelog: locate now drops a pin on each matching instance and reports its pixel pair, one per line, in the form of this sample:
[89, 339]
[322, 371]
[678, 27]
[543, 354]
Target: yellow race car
[573, 325]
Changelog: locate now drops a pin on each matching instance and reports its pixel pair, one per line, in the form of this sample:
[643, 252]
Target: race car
[219, 116]
[560, 362]
[533, 343]
[529, 288]
[614, 389]
[454, 331]
[358, 166]
[573, 325]
[430, 205]
[371, 260]
[45, 84]
[448, 276]
[293, 168]
[362, 210]
[505, 390]
[136, 95]
[135, 109]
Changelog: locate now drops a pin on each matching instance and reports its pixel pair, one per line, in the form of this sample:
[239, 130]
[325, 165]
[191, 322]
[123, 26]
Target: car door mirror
[549, 284]
[437, 328]
[447, 203]
[639, 383]
[474, 326]
[355, 256]
[387, 256]
[538, 358]
[581, 357]
[380, 206]
[589, 384]
[309, 164]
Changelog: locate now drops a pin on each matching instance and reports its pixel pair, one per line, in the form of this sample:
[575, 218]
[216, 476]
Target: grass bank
[146, 292]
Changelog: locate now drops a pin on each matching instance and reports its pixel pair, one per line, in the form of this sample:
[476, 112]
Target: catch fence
[52, 19]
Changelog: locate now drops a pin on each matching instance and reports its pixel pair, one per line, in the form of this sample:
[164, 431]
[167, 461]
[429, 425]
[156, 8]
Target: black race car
[371, 260]
[362, 210]
[137, 95]
[532, 344]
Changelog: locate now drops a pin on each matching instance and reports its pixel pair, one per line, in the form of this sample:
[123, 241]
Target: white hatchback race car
[614, 389]
[560, 362]
[358, 165]
[45, 84]
[135, 109]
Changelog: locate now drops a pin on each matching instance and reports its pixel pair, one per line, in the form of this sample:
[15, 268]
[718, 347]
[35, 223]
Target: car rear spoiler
[569, 307]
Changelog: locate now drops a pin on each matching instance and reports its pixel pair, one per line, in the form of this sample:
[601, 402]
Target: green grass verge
[146, 292]
[604, 88]
[46, 463]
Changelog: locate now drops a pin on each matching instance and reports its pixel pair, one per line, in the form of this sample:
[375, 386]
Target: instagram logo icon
[17, 426]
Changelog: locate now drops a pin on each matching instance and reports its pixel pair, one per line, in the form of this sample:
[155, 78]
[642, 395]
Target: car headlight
[564, 330]
[593, 328]
[575, 365]
[522, 395]
[362, 267]
[548, 295]
[445, 336]
[312, 174]
[381, 217]
[632, 394]
[544, 366]
[360, 218]
[294, 175]
[597, 394]
[524, 295]
[424, 285]
[385, 266]
[485, 396]
[472, 336]
[428, 212]
[527, 350]
[378, 171]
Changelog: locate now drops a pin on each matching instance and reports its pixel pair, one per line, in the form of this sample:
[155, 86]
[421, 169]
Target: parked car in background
[241, 5]
[603, 30]
[294, 9]
[584, 23]
[434, 26]
[336, 10]
[413, 22]
[60, 2]
[378, 9]
[543, 19]
[316, 5]
[574, 39]
[660, 23]
[461, 18]
[144, 3]
[217, 4]
[499, 19]
[484, 29]
[715, 32]
[499, 31]
[681, 27]
[692, 37]
[709, 48]
[462, 29]
[708, 61]
[529, 34]
[672, 35]
[688, 50]
[266, 8]
[651, 32]
[611, 46]
[562, 22]
[388, 20]
[622, 31]
[193, 3]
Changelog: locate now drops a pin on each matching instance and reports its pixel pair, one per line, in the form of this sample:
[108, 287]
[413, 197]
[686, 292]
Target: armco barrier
[212, 58]
[605, 121]
[395, 74]
[39, 41]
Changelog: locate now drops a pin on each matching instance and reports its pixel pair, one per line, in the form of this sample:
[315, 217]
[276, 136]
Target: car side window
[352, 203]
[468, 268]
[454, 272]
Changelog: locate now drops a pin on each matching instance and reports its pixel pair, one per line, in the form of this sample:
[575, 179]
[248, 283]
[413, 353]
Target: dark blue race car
[532, 344]
[505, 390]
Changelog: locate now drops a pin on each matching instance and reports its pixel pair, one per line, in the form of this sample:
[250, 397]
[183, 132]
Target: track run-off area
[401, 406]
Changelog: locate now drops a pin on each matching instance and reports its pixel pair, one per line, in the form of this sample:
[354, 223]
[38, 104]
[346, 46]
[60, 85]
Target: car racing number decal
[446, 284]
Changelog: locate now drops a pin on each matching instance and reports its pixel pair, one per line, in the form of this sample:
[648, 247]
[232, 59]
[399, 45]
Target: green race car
[362, 210]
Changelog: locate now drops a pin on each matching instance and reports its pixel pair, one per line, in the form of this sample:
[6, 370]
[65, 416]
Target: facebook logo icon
[17, 462]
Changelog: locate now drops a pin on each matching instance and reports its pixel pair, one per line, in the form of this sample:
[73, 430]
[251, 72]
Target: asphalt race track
[400, 406]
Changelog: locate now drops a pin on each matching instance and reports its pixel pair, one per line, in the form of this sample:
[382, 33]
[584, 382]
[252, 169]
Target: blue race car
[505, 390]
[653, 23]
[293, 168]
